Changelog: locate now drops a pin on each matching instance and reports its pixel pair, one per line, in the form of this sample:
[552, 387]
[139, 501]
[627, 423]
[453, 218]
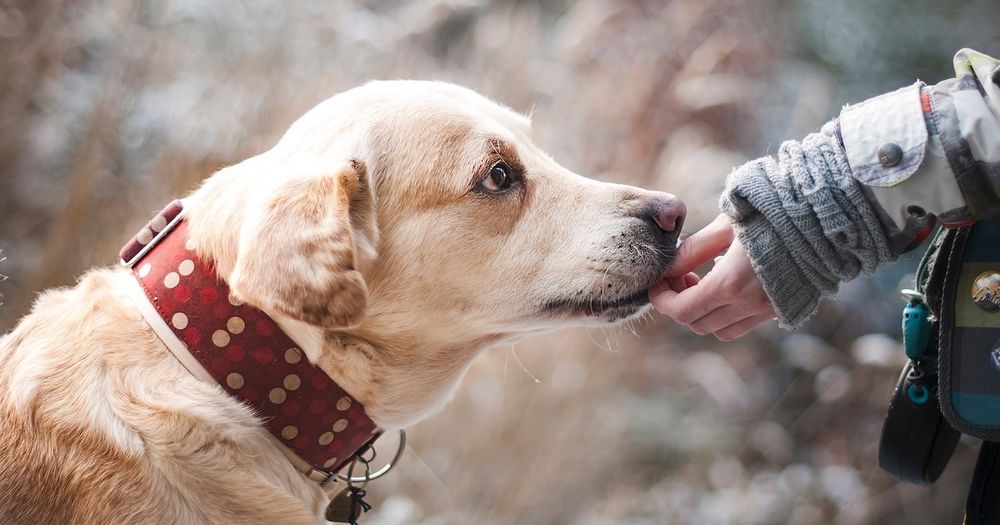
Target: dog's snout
[668, 213]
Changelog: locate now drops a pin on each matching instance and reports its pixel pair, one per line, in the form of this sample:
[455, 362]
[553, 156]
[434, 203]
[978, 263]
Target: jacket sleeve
[869, 185]
[930, 150]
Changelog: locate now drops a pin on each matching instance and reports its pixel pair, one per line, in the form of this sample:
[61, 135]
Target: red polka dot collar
[239, 347]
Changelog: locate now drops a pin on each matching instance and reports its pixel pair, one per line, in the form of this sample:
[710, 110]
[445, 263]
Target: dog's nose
[668, 213]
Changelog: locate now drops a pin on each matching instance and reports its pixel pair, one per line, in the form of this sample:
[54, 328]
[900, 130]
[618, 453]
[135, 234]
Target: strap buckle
[150, 234]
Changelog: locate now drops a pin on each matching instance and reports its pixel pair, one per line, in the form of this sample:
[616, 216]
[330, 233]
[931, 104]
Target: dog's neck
[399, 379]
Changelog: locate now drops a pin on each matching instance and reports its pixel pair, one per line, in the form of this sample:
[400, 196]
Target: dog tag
[340, 508]
[347, 506]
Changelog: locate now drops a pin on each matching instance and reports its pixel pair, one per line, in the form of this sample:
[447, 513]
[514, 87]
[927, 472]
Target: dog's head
[421, 213]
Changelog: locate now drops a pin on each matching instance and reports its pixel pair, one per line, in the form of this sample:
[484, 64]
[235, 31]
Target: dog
[393, 233]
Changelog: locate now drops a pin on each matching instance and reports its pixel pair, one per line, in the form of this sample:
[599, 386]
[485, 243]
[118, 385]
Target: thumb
[702, 246]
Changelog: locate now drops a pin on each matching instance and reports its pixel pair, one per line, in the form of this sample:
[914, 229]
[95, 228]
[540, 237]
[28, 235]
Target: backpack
[951, 384]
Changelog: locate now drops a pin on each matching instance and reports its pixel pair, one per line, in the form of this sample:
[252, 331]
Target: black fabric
[933, 267]
[983, 505]
[916, 441]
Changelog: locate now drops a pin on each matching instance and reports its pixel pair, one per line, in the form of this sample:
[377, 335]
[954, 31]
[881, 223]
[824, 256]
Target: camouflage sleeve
[925, 152]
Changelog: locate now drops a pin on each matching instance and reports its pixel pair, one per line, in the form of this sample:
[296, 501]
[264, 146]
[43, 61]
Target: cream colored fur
[366, 234]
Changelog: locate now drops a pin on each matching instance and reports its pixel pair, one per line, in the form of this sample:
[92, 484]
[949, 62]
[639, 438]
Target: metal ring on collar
[385, 469]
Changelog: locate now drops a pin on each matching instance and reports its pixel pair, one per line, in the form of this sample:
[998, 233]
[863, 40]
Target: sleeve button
[889, 154]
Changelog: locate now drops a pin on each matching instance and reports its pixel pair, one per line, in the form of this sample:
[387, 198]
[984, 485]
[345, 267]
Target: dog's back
[57, 467]
[98, 424]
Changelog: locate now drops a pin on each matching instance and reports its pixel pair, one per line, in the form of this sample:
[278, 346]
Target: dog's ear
[300, 250]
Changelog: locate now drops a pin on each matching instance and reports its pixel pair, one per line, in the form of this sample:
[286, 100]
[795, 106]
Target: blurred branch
[3, 277]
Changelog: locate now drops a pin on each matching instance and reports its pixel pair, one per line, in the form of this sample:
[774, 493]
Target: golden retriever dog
[394, 232]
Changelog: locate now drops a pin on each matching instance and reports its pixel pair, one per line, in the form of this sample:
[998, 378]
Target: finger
[737, 330]
[662, 285]
[722, 317]
[677, 284]
[687, 306]
[681, 283]
[702, 246]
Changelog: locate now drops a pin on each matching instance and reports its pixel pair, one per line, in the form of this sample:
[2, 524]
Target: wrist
[789, 291]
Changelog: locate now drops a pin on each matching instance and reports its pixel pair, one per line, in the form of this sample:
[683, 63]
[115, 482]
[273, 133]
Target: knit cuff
[806, 223]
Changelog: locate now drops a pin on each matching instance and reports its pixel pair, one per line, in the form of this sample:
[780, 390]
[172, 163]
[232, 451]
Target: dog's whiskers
[519, 363]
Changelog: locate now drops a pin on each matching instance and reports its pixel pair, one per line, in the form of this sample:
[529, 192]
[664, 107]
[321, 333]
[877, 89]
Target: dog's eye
[499, 178]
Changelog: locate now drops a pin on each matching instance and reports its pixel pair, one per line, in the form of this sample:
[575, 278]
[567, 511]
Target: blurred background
[110, 108]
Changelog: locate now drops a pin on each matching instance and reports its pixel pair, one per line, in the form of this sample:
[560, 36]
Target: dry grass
[110, 108]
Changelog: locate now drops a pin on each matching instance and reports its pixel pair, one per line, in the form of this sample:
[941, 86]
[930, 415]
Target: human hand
[729, 301]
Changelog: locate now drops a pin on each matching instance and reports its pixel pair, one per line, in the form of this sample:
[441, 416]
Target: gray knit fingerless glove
[805, 223]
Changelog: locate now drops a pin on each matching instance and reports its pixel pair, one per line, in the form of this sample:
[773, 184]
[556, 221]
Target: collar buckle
[151, 234]
[369, 476]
